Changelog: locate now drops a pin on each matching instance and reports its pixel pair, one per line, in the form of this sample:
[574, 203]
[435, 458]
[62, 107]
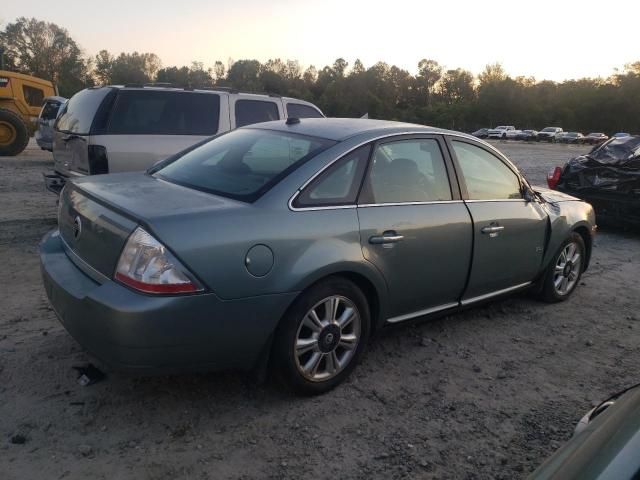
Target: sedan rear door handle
[385, 238]
[492, 229]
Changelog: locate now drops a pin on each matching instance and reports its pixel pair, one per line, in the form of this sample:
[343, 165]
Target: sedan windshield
[242, 164]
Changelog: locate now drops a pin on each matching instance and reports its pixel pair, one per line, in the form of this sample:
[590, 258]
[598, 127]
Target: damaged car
[287, 244]
[608, 177]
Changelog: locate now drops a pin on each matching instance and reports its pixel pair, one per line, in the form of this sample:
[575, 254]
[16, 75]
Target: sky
[546, 39]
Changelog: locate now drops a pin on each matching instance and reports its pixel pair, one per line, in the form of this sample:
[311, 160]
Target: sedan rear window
[244, 163]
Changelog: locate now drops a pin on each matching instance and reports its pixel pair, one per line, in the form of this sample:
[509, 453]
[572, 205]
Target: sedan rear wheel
[322, 336]
[563, 274]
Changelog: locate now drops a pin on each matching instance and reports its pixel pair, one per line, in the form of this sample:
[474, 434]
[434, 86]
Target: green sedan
[286, 245]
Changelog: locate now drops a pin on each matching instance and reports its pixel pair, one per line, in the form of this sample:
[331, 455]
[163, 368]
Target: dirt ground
[488, 393]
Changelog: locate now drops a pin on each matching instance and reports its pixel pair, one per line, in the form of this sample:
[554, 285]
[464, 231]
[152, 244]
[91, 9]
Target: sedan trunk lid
[98, 213]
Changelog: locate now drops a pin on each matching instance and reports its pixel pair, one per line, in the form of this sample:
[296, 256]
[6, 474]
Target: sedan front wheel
[322, 336]
[564, 271]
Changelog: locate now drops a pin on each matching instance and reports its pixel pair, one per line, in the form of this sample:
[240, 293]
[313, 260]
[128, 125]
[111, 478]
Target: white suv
[128, 128]
[500, 132]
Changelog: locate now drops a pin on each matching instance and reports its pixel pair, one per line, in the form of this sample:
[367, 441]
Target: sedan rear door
[509, 231]
[414, 227]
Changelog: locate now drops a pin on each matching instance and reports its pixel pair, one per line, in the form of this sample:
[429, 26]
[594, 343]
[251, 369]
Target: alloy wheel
[568, 268]
[327, 338]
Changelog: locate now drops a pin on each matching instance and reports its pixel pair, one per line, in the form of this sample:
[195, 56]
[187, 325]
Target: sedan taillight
[553, 178]
[146, 265]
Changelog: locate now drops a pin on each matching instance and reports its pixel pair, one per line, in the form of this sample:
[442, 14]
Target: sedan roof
[340, 129]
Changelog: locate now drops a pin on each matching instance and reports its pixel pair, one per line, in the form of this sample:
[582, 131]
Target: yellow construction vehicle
[21, 98]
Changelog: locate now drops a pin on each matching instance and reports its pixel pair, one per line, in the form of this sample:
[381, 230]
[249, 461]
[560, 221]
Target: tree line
[435, 95]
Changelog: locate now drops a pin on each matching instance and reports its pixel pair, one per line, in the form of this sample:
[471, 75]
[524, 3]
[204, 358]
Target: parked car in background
[287, 243]
[500, 132]
[549, 134]
[621, 135]
[605, 444]
[608, 178]
[527, 135]
[129, 128]
[481, 133]
[512, 134]
[48, 115]
[595, 138]
[571, 137]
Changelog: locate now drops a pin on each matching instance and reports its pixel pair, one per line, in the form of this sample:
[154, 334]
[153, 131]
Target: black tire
[284, 359]
[21, 139]
[549, 292]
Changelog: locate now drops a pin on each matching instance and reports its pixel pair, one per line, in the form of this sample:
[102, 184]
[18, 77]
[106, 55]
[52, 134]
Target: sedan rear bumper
[129, 331]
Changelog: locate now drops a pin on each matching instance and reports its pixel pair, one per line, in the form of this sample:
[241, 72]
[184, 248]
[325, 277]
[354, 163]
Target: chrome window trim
[87, 269]
[493, 294]
[419, 313]
[388, 135]
[521, 200]
[397, 204]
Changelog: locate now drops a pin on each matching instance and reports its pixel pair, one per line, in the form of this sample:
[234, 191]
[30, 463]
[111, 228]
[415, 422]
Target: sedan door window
[486, 176]
[339, 185]
[407, 171]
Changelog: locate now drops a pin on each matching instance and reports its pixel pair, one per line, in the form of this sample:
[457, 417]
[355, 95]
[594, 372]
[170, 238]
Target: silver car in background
[129, 128]
[51, 107]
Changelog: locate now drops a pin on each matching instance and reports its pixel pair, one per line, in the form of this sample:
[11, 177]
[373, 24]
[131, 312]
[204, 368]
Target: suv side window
[255, 111]
[407, 171]
[339, 184]
[298, 110]
[486, 176]
[153, 112]
[33, 96]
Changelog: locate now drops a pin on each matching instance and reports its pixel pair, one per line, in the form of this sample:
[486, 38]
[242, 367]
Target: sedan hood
[553, 196]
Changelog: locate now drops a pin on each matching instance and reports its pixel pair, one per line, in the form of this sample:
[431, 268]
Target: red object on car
[553, 178]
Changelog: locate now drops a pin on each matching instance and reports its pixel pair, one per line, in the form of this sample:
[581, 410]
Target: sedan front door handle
[385, 238]
[492, 229]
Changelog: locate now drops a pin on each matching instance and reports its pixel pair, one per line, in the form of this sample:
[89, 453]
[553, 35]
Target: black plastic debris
[18, 439]
[89, 374]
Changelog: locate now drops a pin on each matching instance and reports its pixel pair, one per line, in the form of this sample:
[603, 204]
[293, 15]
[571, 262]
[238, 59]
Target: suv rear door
[72, 129]
[145, 125]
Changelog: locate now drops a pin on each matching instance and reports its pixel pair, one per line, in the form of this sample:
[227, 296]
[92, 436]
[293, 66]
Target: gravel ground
[488, 393]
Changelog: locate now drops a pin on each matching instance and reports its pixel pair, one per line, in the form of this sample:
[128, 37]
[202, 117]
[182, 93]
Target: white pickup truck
[500, 131]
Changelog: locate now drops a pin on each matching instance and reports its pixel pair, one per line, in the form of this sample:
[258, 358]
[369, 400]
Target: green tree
[45, 50]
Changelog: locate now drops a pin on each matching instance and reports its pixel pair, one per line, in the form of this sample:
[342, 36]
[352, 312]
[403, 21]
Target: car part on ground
[605, 444]
[608, 177]
[48, 114]
[21, 97]
[269, 225]
[129, 128]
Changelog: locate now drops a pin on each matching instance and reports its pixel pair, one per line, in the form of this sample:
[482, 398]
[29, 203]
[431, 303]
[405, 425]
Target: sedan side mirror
[528, 194]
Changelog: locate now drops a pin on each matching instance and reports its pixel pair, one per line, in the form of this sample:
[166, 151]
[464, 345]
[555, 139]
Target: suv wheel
[14, 135]
[322, 337]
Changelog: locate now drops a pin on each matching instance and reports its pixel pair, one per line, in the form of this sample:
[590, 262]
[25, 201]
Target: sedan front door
[414, 227]
[509, 230]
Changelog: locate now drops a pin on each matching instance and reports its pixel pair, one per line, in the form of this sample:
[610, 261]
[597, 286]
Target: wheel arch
[583, 231]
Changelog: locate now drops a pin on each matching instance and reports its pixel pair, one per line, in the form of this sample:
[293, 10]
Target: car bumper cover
[130, 331]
